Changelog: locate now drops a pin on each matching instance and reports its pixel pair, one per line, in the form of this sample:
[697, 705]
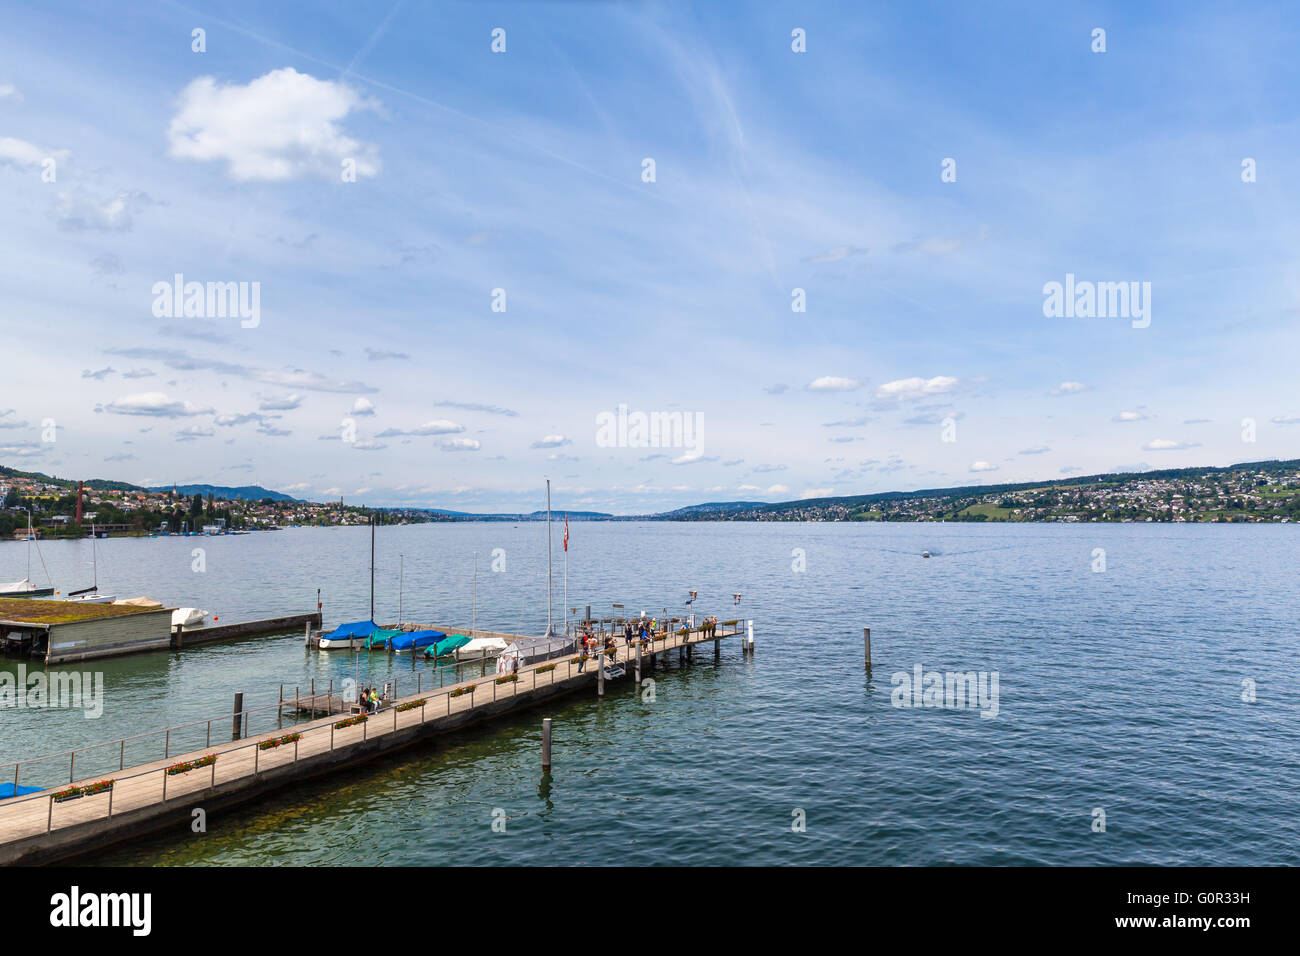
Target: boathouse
[62, 631]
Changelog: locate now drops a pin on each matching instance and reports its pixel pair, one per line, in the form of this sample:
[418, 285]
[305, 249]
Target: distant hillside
[242, 493]
[737, 509]
[94, 484]
[556, 515]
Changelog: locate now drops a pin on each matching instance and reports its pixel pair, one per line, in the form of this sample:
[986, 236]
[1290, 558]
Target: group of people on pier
[591, 643]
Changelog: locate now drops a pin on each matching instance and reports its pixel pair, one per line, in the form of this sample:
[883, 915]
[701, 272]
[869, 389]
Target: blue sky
[523, 171]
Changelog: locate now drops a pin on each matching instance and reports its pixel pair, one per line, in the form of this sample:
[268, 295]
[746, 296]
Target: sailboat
[25, 587]
[358, 634]
[91, 594]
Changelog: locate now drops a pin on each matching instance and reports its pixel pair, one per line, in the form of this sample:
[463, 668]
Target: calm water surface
[1120, 690]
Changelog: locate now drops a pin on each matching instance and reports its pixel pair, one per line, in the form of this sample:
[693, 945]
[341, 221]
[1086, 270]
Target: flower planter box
[72, 793]
[545, 667]
[278, 741]
[189, 765]
[508, 679]
[462, 690]
[411, 705]
[351, 721]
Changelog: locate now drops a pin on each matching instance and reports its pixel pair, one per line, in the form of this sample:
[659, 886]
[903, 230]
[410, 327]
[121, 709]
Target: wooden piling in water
[546, 745]
[239, 712]
[866, 645]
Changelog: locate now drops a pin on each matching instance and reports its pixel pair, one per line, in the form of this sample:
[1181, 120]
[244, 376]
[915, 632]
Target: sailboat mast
[372, 568]
[565, 609]
[474, 626]
[549, 629]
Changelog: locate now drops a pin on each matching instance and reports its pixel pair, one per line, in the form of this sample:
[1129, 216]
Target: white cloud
[25, 155]
[1069, 388]
[191, 432]
[1164, 444]
[280, 126]
[363, 406]
[280, 403]
[438, 426]
[461, 444]
[9, 92]
[916, 387]
[1129, 417]
[79, 211]
[833, 383]
[551, 441]
[982, 466]
[155, 404]
[816, 492]
[777, 490]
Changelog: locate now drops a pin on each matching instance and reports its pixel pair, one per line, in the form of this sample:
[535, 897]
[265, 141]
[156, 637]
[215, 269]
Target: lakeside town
[1255, 492]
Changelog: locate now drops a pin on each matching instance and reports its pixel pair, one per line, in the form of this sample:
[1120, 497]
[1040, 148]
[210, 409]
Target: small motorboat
[188, 617]
[447, 646]
[479, 648]
[416, 640]
[346, 636]
[378, 641]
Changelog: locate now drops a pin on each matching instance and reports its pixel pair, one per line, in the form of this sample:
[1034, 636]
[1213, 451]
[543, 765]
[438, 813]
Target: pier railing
[183, 738]
[33, 814]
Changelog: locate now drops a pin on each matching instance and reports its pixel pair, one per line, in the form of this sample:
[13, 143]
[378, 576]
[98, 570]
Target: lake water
[1118, 690]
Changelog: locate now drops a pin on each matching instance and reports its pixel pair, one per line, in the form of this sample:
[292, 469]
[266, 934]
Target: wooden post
[638, 664]
[546, 745]
[239, 707]
[866, 645]
[308, 637]
[749, 626]
[600, 672]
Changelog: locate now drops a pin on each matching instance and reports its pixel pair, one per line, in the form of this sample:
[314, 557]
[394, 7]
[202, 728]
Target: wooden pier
[146, 798]
[189, 636]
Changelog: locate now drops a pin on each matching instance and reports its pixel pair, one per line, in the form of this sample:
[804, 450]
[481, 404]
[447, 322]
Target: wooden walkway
[145, 798]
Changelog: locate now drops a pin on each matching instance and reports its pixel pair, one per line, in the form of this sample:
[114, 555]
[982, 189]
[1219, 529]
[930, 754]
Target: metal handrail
[244, 713]
[118, 741]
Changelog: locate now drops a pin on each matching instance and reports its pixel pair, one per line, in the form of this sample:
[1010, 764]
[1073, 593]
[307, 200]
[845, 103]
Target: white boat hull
[340, 643]
[94, 598]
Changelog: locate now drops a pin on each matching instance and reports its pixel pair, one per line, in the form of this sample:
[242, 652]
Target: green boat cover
[446, 646]
[380, 638]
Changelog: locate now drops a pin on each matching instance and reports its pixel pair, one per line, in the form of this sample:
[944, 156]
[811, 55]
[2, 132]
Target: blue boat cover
[416, 639]
[7, 790]
[355, 629]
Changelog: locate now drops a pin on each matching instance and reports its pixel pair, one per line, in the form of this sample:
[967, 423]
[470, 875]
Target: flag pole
[550, 630]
